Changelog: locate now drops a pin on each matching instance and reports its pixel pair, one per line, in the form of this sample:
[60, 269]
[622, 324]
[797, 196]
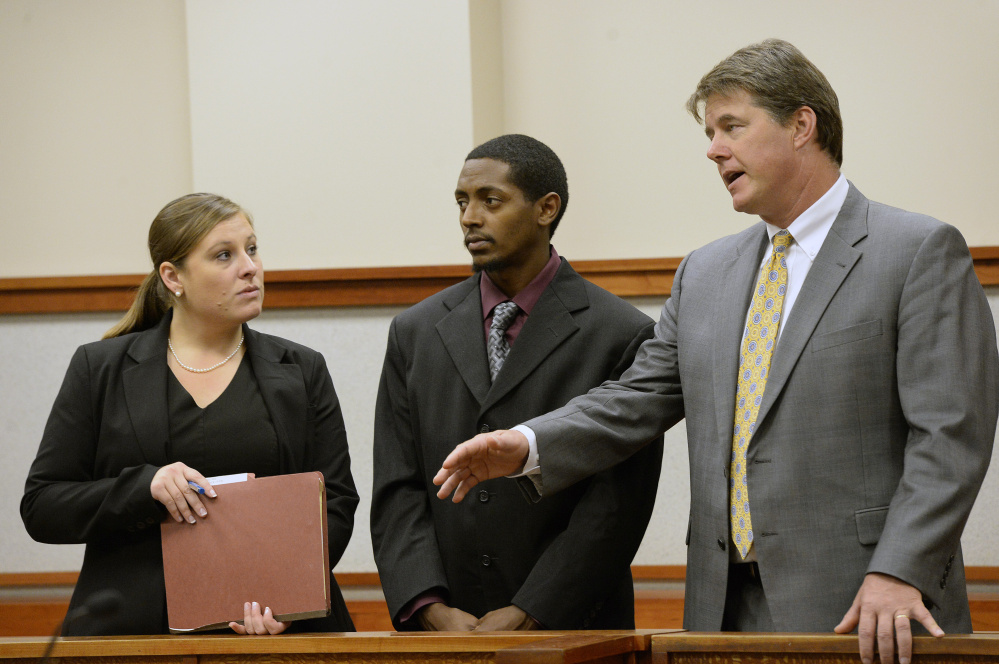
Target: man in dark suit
[467, 360]
[837, 367]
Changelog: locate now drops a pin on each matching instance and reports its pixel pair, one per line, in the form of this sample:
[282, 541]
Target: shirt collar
[812, 226]
[528, 297]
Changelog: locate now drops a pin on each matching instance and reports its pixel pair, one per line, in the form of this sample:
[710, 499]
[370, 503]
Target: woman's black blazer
[107, 436]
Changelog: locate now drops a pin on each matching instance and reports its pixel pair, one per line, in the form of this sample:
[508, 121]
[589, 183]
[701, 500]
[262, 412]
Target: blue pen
[196, 487]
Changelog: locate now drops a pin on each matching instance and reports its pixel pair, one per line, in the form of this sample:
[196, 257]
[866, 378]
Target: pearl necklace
[211, 368]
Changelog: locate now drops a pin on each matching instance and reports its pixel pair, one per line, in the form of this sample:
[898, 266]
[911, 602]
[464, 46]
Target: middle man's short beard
[494, 265]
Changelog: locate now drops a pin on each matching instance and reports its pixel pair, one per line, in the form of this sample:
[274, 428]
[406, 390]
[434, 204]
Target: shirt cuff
[409, 611]
[532, 468]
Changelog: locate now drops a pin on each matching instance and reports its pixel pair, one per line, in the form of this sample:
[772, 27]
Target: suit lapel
[463, 336]
[145, 384]
[738, 278]
[282, 387]
[549, 325]
[832, 264]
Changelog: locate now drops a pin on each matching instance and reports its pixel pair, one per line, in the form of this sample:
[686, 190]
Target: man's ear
[171, 278]
[805, 127]
[549, 206]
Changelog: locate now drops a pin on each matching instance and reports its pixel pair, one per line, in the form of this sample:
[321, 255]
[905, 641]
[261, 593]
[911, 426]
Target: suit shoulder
[299, 353]
[429, 310]
[903, 221]
[106, 351]
[729, 243]
[614, 308]
[903, 234]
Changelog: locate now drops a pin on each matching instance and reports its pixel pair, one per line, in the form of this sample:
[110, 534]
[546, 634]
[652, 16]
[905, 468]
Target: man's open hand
[488, 455]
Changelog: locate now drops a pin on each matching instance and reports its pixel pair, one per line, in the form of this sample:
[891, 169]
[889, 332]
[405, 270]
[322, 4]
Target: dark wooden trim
[351, 287]
[986, 264]
[31, 579]
[370, 286]
[659, 572]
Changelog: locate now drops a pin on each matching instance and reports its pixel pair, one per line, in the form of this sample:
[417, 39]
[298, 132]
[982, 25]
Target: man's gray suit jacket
[566, 561]
[875, 430]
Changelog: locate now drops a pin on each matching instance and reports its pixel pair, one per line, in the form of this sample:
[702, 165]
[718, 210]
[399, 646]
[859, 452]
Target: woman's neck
[188, 332]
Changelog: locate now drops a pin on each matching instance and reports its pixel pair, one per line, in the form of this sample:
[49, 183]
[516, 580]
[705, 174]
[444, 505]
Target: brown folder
[264, 540]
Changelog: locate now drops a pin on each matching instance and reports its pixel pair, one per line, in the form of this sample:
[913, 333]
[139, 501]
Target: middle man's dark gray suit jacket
[564, 560]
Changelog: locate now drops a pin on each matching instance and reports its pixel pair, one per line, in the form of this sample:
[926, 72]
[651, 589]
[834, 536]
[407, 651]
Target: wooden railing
[702, 648]
[386, 648]
[609, 647]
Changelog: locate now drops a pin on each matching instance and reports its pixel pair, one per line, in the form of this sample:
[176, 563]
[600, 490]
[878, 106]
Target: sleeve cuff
[532, 468]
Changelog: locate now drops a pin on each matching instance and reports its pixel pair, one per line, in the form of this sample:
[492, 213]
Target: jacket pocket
[870, 523]
[871, 328]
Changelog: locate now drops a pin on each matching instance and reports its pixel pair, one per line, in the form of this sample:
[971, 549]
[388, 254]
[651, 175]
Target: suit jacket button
[721, 544]
[483, 496]
[486, 561]
[484, 429]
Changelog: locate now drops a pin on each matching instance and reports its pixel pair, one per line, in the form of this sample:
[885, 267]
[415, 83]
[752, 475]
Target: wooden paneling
[641, 277]
[384, 648]
[708, 648]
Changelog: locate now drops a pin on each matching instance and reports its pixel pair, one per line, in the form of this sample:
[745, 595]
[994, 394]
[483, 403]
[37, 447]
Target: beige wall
[605, 83]
[342, 124]
[94, 131]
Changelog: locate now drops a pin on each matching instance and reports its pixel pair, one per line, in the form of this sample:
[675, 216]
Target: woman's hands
[171, 487]
[255, 622]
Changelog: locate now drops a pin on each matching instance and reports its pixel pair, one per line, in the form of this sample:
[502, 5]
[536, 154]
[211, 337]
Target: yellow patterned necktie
[754, 365]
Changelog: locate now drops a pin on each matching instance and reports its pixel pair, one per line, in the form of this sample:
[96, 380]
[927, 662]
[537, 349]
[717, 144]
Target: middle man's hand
[439, 617]
[509, 618]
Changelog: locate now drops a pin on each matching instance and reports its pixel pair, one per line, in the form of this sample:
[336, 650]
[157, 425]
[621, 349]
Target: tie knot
[503, 315]
[781, 240]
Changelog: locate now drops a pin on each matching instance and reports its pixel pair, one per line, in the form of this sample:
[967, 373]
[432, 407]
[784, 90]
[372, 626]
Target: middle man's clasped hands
[439, 617]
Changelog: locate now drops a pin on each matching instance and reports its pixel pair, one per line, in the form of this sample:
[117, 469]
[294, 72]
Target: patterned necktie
[754, 364]
[498, 348]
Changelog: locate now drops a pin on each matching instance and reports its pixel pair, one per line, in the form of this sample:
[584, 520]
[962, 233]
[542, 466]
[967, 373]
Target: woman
[180, 390]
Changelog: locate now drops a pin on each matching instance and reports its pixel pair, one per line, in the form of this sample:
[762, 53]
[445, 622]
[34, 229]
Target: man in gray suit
[837, 367]
[522, 336]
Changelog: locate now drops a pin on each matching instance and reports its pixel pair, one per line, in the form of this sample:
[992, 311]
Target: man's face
[501, 227]
[756, 157]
